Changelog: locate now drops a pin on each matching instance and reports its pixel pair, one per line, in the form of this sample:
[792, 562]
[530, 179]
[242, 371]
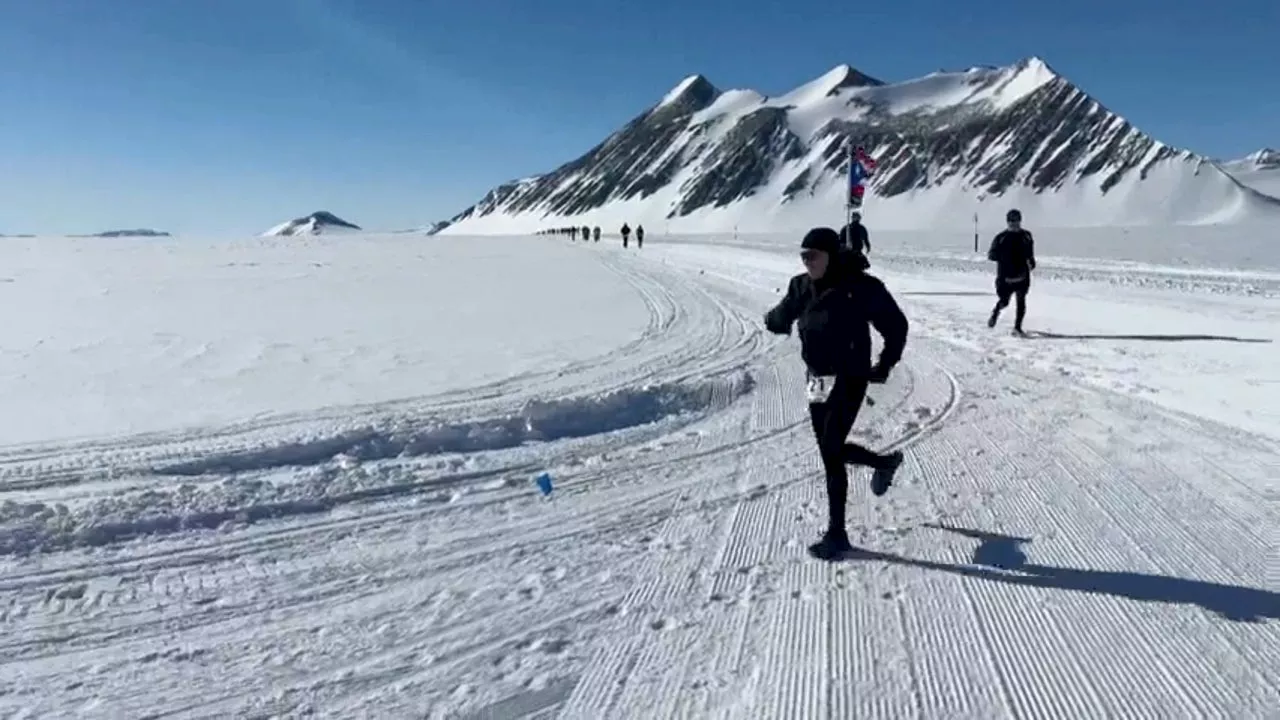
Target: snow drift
[948, 145]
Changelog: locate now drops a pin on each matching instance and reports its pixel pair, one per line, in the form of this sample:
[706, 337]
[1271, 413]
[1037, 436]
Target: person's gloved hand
[879, 373]
[772, 324]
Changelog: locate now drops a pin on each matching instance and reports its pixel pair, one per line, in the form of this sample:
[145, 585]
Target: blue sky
[228, 116]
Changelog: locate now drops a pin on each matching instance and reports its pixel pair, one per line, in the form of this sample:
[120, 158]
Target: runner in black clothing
[626, 234]
[1013, 252]
[639, 236]
[832, 303]
[855, 235]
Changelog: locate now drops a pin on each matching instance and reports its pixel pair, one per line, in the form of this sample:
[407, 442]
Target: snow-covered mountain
[317, 223]
[1259, 170]
[138, 232]
[948, 144]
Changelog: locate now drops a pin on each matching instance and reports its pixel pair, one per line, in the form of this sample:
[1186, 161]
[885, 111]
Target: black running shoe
[882, 478]
[832, 545]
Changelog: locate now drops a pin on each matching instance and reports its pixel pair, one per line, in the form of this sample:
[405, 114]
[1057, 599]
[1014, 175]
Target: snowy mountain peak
[694, 91]
[829, 84]
[1036, 64]
[1266, 157]
[317, 223]
[707, 161]
[1259, 170]
[845, 76]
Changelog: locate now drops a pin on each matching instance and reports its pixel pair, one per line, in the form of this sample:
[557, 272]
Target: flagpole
[848, 191]
[861, 168]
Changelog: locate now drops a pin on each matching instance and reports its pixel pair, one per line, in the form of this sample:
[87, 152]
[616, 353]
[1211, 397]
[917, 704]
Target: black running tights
[832, 422]
[1016, 290]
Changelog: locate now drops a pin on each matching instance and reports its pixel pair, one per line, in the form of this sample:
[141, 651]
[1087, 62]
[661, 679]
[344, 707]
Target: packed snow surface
[149, 336]
[332, 511]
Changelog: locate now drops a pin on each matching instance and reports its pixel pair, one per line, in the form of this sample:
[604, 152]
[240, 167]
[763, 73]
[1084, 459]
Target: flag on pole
[861, 167]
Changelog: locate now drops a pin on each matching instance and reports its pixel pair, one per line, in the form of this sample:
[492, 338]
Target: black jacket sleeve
[888, 320]
[1031, 252]
[780, 318]
[993, 254]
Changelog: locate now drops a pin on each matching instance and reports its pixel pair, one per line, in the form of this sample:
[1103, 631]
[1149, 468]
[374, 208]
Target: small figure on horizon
[626, 234]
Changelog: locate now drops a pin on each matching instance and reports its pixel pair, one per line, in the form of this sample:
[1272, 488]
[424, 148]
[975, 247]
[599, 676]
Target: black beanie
[822, 238]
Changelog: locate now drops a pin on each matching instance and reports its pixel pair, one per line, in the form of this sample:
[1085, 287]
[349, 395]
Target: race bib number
[820, 388]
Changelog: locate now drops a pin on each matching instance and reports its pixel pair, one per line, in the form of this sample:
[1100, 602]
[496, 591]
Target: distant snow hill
[948, 144]
[317, 223]
[1260, 171]
[140, 232]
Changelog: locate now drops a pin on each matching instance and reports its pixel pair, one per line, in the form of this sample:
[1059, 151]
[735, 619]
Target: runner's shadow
[1152, 338]
[994, 550]
[999, 558]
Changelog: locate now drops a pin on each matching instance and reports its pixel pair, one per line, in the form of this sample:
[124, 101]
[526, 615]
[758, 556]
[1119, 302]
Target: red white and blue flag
[861, 167]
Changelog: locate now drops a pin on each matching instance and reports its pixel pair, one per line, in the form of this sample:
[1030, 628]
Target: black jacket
[856, 237]
[834, 316]
[1014, 253]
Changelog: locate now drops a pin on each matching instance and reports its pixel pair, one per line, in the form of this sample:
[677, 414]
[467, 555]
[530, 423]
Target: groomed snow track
[1037, 559]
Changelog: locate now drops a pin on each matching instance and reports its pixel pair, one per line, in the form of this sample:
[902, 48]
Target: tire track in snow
[709, 456]
[1168, 662]
[1081, 526]
[756, 514]
[687, 354]
[602, 688]
[431, 610]
[739, 585]
[676, 345]
[760, 517]
[1021, 492]
[713, 354]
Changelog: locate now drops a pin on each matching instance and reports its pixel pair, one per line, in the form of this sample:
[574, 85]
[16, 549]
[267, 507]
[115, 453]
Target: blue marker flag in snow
[544, 483]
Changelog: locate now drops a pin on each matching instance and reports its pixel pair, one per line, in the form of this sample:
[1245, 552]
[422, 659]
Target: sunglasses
[809, 255]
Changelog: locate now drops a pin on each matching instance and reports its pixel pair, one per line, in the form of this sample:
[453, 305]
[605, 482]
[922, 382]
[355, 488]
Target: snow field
[1202, 342]
[110, 337]
[1056, 546]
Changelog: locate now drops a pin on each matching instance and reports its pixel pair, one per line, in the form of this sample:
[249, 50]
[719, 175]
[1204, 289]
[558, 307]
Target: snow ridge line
[537, 421]
[27, 527]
